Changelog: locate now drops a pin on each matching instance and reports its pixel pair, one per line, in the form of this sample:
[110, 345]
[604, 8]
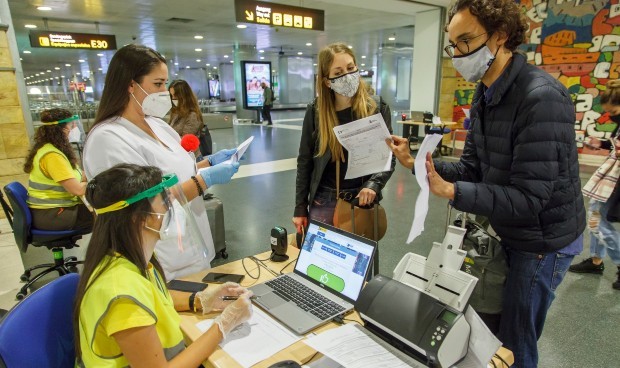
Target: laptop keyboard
[307, 299]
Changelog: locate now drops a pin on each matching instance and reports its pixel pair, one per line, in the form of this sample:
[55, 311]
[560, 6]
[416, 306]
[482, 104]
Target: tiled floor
[582, 327]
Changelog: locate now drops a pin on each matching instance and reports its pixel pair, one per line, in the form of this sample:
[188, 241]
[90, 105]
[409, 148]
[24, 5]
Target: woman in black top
[342, 98]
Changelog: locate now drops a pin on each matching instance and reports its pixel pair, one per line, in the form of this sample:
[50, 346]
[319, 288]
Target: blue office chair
[38, 331]
[20, 218]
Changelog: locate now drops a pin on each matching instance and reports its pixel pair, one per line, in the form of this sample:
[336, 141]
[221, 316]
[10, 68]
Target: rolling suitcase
[215, 213]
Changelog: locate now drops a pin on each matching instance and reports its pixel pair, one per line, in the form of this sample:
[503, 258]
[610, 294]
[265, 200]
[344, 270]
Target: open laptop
[328, 277]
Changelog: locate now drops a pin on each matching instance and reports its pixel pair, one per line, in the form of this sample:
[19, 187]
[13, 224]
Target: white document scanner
[420, 310]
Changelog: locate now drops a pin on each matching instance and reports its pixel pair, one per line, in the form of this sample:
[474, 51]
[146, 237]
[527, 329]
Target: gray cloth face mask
[346, 84]
[474, 65]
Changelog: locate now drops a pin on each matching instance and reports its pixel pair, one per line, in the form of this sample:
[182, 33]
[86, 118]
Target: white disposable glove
[211, 297]
[235, 314]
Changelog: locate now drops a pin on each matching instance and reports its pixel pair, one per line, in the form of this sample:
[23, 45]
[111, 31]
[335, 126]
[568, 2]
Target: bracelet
[192, 304]
[198, 186]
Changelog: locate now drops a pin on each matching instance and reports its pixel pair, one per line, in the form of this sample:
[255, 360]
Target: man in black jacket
[519, 165]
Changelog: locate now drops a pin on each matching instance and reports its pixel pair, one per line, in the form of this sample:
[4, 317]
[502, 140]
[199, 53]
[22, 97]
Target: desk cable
[261, 262]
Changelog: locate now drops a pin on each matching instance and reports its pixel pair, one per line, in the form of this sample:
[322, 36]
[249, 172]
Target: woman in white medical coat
[128, 129]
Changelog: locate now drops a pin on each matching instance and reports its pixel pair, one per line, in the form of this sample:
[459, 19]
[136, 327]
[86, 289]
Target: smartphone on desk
[188, 286]
[220, 278]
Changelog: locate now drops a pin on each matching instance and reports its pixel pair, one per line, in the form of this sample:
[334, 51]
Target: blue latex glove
[221, 156]
[219, 174]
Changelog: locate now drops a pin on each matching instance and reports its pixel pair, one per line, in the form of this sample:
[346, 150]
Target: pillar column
[426, 71]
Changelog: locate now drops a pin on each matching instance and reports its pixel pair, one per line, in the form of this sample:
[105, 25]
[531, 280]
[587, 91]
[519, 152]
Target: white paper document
[482, 343]
[351, 347]
[255, 340]
[421, 204]
[365, 141]
[240, 151]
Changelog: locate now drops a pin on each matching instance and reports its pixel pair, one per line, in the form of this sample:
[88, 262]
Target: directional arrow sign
[249, 15]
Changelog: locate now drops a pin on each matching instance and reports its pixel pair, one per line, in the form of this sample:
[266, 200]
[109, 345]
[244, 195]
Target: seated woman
[56, 182]
[124, 314]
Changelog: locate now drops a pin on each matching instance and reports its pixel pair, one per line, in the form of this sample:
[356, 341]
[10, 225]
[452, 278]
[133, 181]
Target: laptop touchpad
[271, 300]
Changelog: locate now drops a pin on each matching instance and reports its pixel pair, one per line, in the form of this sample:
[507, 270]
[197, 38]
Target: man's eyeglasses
[462, 46]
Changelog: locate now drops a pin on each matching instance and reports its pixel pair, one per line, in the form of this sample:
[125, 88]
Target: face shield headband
[167, 182]
[63, 121]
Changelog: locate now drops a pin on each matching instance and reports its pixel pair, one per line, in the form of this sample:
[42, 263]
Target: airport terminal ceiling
[174, 28]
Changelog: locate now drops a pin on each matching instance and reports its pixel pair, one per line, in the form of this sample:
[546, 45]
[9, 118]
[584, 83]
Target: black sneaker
[586, 266]
[616, 285]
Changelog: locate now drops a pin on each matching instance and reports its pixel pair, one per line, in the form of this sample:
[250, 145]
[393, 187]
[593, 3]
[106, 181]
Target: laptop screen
[335, 259]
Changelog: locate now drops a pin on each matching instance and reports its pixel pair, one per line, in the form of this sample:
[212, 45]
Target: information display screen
[66, 40]
[214, 88]
[254, 73]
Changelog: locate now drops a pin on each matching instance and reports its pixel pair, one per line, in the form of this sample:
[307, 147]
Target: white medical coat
[118, 140]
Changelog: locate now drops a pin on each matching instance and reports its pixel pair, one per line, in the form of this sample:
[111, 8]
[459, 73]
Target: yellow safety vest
[43, 191]
[122, 279]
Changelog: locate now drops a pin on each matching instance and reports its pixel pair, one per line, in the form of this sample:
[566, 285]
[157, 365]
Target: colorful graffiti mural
[576, 41]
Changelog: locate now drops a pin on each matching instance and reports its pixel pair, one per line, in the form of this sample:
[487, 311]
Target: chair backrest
[8, 211]
[22, 218]
[38, 332]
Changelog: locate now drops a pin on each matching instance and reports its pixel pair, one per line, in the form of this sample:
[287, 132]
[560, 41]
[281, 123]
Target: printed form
[255, 340]
[365, 141]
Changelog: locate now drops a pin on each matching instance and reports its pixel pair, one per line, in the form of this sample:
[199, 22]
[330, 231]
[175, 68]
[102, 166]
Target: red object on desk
[190, 142]
[403, 117]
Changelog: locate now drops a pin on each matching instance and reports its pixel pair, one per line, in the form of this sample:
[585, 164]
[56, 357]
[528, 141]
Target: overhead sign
[66, 40]
[259, 12]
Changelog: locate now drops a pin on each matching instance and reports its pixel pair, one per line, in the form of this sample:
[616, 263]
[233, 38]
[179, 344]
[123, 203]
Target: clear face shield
[76, 133]
[178, 226]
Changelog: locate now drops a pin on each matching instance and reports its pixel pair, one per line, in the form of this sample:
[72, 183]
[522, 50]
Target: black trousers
[267, 113]
[77, 217]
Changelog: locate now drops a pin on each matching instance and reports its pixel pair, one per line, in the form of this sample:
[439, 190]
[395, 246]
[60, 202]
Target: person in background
[56, 181]
[519, 166]
[129, 128]
[604, 238]
[124, 315]
[186, 117]
[267, 102]
[342, 98]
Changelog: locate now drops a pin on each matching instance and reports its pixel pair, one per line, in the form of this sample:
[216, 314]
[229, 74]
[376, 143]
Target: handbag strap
[337, 179]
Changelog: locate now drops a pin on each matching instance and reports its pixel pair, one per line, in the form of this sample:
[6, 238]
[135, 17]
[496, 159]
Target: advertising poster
[214, 88]
[255, 73]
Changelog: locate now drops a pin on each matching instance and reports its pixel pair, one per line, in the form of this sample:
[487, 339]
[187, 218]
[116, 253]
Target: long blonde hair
[362, 103]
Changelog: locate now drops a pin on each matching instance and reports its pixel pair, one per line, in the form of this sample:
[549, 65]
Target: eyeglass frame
[450, 48]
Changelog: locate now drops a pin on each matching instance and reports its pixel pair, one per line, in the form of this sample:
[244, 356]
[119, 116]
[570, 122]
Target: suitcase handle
[355, 202]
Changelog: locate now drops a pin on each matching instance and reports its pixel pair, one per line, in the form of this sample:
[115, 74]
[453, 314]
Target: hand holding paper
[236, 157]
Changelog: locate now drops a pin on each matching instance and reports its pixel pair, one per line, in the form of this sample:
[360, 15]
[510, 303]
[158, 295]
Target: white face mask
[176, 229]
[155, 104]
[75, 134]
[175, 102]
[474, 65]
[346, 85]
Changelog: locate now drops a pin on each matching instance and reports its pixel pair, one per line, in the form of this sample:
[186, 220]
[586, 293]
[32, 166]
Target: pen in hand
[234, 297]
